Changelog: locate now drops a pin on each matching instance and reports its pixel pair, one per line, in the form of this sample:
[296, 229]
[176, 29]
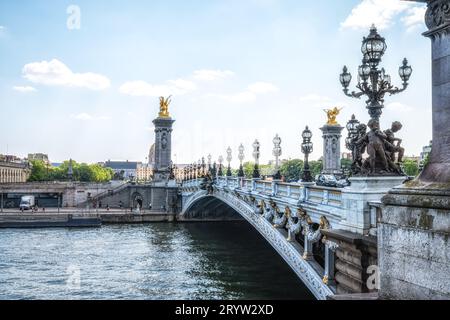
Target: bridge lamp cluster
[256, 154]
[372, 81]
[229, 158]
[241, 158]
[277, 152]
[307, 149]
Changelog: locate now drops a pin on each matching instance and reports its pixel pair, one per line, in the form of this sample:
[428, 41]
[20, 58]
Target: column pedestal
[332, 149]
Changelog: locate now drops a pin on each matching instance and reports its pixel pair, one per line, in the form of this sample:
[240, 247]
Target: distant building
[426, 151]
[38, 156]
[144, 172]
[347, 156]
[412, 158]
[13, 169]
[123, 169]
[179, 171]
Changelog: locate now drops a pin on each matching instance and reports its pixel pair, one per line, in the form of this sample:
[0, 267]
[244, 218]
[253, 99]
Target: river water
[152, 261]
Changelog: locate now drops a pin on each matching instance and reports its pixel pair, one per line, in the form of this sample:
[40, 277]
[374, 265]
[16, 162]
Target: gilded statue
[332, 115]
[164, 107]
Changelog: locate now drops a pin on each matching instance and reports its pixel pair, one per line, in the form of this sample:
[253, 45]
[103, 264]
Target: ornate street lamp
[220, 173]
[203, 167]
[199, 168]
[374, 82]
[352, 128]
[209, 163]
[214, 171]
[241, 157]
[307, 148]
[229, 158]
[194, 169]
[277, 153]
[256, 154]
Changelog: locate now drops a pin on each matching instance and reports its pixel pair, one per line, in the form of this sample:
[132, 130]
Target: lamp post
[307, 148]
[203, 167]
[209, 163]
[352, 128]
[241, 157]
[220, 172]
[372, 81]
[277, 153]
[229, 158]
[256, 154]
[194, 168]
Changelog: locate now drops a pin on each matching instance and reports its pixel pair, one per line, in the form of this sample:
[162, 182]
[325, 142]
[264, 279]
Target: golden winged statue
[164, 107]
[332, 115]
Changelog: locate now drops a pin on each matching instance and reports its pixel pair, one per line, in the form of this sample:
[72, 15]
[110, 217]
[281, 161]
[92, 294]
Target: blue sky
[238, 70]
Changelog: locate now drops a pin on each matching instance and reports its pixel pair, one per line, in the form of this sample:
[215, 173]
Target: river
[149, 261]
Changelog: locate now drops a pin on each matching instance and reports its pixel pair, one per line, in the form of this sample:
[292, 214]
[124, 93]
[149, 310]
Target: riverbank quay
[76, 218]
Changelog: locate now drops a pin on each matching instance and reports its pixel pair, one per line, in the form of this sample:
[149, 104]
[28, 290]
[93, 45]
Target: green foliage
[346, 163]
[411, 167]
[291, 170]
[38, 171]
[264, 169]
[248, 169]
[316, 167]
[81, 172]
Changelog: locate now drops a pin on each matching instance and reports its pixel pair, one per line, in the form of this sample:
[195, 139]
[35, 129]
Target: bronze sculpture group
[384, 149]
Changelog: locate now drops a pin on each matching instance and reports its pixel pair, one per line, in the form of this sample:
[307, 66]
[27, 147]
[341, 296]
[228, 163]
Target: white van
[27, 202]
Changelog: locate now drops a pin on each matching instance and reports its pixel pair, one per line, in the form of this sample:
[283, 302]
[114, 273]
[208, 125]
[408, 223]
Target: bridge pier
[414, 233]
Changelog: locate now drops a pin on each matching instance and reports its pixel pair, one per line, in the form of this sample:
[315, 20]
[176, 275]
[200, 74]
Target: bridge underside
[211, 209]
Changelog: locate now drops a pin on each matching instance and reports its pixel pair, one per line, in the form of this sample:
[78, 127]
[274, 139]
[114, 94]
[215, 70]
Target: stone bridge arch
[221, 202]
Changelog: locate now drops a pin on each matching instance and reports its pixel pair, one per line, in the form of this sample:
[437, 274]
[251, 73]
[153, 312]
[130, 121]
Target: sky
[81, 79]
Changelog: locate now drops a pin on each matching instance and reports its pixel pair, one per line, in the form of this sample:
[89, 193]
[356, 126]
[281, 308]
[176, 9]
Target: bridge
[298, 220]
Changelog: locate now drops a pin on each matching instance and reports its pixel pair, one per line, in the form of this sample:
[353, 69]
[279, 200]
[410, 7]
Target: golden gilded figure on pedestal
[164, 107]
[332, 115]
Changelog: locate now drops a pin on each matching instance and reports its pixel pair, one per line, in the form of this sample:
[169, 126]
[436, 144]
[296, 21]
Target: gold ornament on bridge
[164, 107]
[332, 115]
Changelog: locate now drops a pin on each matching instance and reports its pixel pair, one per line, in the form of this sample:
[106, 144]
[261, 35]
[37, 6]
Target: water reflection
[155, 261]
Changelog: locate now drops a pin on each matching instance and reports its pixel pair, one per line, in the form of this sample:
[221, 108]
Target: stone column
[330, 248]
[413, 238]
[163, 148]
[355, 255]
[307, 253]
[332, 149]
[437, 19]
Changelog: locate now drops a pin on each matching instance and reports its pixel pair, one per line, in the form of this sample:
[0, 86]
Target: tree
[316, 167]
[411, 167]
[81, 172]
[291, 170]
[248, 169]
[38, 171]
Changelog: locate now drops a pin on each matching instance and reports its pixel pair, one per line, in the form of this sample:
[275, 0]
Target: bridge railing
[296, 191]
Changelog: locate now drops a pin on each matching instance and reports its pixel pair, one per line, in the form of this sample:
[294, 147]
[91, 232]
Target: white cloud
[81, 116]
[313, 97]
[381, 13]
[399, 107]
[144, 89]
[24, 89]
[211, 75]
[172, 87]
[262, 88]
[414, 17]
[87, 117]
[56, 73]
[249, 95]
